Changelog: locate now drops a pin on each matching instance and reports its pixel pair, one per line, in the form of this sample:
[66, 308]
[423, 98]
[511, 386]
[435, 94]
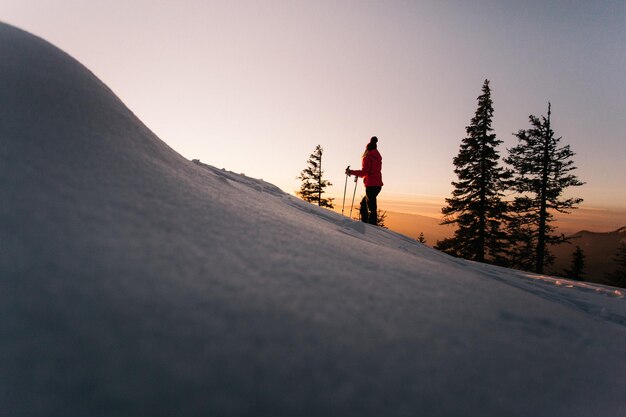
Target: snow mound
[135, 282]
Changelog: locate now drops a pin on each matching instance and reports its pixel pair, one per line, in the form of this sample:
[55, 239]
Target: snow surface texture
[135, 282]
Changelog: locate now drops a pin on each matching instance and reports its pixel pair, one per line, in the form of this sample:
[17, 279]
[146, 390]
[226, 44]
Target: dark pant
[371, 193]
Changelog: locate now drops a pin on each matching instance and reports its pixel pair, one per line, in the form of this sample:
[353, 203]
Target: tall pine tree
[542, 172]
[313, 184]
[477, 207]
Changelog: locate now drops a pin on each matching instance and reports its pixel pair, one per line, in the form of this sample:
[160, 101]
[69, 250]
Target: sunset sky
[254, 86]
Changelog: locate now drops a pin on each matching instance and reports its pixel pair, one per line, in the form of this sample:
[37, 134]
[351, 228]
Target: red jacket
[372, 166]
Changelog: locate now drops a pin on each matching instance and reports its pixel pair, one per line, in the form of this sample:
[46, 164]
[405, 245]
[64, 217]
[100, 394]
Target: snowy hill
[135, 282]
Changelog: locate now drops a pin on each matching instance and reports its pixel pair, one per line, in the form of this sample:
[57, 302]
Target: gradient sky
[254, 86]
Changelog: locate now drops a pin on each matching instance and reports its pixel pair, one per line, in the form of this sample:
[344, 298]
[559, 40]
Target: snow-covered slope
[135, 282]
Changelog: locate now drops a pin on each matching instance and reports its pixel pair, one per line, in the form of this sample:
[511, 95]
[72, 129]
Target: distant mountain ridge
[621, 230]
[599, 249]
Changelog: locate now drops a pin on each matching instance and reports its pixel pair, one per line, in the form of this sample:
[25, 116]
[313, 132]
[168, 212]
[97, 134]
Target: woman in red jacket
[372, 165]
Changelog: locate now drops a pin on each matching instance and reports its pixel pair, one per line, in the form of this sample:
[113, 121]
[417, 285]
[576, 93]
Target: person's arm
[365, 168]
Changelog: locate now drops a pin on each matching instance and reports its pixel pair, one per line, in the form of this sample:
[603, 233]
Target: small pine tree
[542, 171]
[617, 277]
[382, 215]
[421, 238]
[477, 207]
[313, 184]
[578, 265]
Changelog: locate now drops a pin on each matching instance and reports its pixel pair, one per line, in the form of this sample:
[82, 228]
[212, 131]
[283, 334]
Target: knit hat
[372, 145]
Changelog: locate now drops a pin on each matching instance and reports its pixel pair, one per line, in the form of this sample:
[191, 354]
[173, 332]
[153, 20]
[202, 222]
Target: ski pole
[345, 187]
[356, 179]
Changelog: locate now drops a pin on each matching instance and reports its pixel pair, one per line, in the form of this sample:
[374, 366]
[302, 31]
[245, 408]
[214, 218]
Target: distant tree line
[503, 213]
